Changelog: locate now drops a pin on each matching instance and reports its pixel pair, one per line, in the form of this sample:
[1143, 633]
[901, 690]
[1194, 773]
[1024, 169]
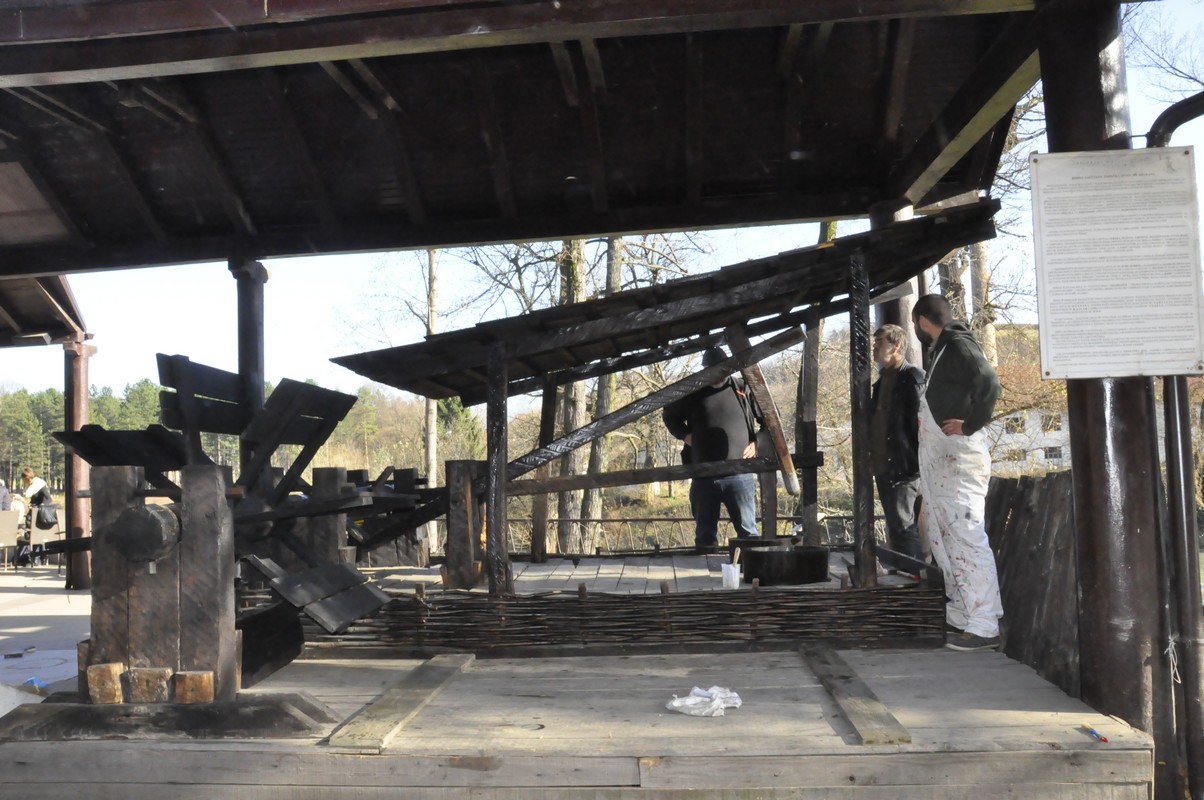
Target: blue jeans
[737, 493]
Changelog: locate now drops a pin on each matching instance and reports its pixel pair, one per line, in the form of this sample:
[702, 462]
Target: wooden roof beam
[493, 139]
[900, 37]
[693, 120]
[812, 41]
[117, 42]
[1001, 78]
[45, 286]
[17, 153]
[8, 317]
[286, 122]
[350, 89]
[397, 125]
[203, 140]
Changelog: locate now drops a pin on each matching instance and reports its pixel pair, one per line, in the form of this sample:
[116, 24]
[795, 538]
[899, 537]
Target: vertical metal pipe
[497, 556]
[1125, 670]
[78, 512]
[1185, 597]
[251, 277]
[865, 549]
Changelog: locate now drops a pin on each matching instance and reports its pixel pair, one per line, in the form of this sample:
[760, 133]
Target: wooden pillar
[251, 277]
[859, 396]
[113, 491]
[1122, 636]
[206, 584]
[539, 503]
[497, 526]
[327, 533]
[75, 400]
[806, 436]
[463, 545]
[898, 311]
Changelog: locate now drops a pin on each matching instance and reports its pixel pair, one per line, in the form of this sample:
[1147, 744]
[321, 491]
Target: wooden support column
[497, 527]
[898, 311]
[208, 639]
[328, 532]
[737, 338]
[251, 277]
[1122, 634]
[539, 503]
[79, 521]
[463, 545]
[859, 397]
[114, 489]
[806, 437]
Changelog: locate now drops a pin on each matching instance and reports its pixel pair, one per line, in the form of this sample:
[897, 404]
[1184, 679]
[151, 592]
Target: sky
[315, 307]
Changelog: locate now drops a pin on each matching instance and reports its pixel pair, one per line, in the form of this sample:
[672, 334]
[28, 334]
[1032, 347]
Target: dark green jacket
[961, 384]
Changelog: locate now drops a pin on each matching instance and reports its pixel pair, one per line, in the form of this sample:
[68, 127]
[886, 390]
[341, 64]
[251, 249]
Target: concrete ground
[40, 624]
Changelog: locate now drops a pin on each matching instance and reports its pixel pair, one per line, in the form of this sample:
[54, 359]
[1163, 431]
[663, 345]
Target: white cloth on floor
[705, 702]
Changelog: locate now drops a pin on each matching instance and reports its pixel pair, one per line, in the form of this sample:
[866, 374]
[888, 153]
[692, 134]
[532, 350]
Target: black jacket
[961, 384]
[902, 427]
[716, 419]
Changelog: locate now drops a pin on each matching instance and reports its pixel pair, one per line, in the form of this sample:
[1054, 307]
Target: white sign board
[1118, 263]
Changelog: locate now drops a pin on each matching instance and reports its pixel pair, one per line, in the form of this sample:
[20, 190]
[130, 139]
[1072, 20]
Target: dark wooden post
[113, 491]
[806, 437]
[898, 311]
[463, 545]
[539, 503]
[207, 633]
[79, 521]
[251, 277]
[1122, 634]
[859, 397]
[328, 533]
[497, 527]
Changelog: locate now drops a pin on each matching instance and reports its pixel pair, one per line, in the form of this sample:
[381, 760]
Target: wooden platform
[980, 726]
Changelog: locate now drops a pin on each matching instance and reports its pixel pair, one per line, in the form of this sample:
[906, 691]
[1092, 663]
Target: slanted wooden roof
[35, 311]
[139, 133]
[642, 326]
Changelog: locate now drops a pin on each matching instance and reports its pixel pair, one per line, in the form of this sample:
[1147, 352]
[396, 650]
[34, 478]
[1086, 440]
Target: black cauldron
[785, 566]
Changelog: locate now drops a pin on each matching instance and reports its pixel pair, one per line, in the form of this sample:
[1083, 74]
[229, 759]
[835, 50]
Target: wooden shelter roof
[643, 326]
[38, 311]
[137, 133]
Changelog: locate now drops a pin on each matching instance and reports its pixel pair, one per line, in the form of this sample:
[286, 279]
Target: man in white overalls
[955, 468]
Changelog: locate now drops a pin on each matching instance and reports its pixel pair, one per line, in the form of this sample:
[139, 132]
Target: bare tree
[591, 506]
[569, 531]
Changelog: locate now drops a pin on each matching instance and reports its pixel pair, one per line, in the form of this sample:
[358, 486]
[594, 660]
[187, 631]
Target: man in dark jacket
[955, 468]
[715, 427]
[894, 439]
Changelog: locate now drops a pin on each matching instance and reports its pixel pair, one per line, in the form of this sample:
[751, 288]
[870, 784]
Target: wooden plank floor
[981, 726]
[618, 575]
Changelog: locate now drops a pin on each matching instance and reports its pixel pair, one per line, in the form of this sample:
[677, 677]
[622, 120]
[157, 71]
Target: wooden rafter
[564, 69]
[798, 77]
[897, 59]
[211, 45]
[350, 89]
[286, 122]
[16, 153]
[397, 127]
[493, 139]
[693, 120]
[595, 151]
[1001, 78]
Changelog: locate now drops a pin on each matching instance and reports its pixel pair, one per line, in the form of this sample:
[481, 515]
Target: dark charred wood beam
[564, 69]
[595, 153]
[202, 139]
[593, 68]
[900, 38]
[693, 120]
[115, 42]
[59, 110]
[17, 154]
[8, 317]
[493, 139]
[49, 260]
[653, 402]
[634, 477]
[122, 166]
[397, 124]
[797, 80]
[286, 122]
[991, 91]
[350, 89]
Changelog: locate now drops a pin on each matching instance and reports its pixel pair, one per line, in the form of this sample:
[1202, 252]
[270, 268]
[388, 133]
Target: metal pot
[786, 566]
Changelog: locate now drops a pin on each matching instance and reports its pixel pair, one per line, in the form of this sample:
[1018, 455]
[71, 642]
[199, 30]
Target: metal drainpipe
[1184, 545]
